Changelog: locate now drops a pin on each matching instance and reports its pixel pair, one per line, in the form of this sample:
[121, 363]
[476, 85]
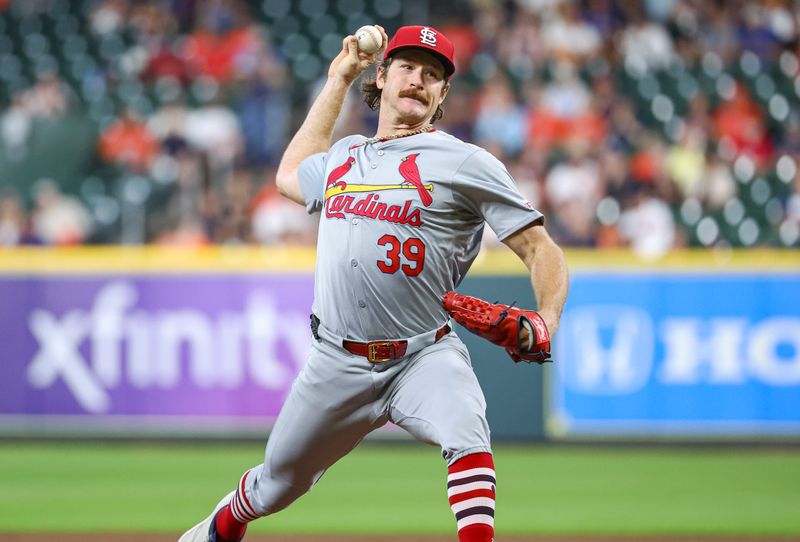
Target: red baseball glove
[502, 325]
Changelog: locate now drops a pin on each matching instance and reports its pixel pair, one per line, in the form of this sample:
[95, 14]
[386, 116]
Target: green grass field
[69, 487]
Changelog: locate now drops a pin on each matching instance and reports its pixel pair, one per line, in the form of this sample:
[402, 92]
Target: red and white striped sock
[471, 490]
[228, 527]
[232, 520]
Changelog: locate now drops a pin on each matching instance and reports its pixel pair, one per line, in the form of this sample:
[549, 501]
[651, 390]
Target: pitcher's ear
[445, 90]
[380, 77]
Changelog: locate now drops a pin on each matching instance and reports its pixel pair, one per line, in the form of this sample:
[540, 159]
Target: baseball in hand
[369, 39]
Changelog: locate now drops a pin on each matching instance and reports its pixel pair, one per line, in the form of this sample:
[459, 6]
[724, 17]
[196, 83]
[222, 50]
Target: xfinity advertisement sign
[126, 351]
[678, 354]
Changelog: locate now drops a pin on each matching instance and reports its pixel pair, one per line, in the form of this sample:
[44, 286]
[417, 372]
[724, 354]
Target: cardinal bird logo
[410, 172]
[342, 199]
[339, 172]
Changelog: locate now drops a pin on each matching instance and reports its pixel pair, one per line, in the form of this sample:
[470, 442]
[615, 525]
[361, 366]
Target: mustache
[414, 94]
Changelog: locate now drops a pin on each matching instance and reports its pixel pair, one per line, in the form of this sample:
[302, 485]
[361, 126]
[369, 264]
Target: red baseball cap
[427, 38]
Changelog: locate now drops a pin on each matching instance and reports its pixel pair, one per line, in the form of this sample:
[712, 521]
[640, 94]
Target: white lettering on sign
[608, 349]
[774, 351]
[427, 36]
[159, 349]
[700, 350]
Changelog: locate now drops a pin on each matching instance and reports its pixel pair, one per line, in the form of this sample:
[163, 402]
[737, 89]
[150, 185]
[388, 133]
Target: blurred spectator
[490, 20]
[566, 96]
[576, 180]
[15, 129]
[50, 97]
[565, 110]
[168, 125]
[686, 160]
[647, 225]
[717, 34]
[263, 105]
[214, 129]
[215, 48]
[780, 20]
[754, 34]
[226, 212]
[572, 225]
[603, 16]
[128, 142]
[155, 31]
[186, 201]
[108, 16]
[627, 129]
[740, 123]
[462, 33]
[521, 43]
[13, 219]
[58, 219]
[647, 164]
[500, 122]
[717, 184]
[645, 43]
[152, 23]
[163, 62]
[458, 113]
[567, 37]
[698, 117]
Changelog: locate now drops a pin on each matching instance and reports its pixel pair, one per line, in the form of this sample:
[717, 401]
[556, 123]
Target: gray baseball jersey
[401, 224]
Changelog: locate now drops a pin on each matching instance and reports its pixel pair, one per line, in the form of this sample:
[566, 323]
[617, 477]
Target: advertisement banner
[678, 354]
[153, 351]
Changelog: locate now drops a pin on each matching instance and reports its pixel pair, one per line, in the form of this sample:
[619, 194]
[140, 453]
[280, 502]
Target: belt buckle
[372, 351]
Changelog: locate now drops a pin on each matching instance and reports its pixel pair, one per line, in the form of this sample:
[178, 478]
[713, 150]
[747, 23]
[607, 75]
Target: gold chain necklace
[424, 129]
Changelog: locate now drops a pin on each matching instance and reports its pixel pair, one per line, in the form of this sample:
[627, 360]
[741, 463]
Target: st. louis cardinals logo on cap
[339, 202]
[426, 38]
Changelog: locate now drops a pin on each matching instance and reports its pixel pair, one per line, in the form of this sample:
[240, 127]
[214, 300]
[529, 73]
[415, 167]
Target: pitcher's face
[413, 87]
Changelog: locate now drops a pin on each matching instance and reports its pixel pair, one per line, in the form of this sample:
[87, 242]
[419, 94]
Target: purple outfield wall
[153, 352]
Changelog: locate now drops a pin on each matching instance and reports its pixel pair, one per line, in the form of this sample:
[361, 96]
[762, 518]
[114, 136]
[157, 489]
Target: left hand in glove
[503, 325]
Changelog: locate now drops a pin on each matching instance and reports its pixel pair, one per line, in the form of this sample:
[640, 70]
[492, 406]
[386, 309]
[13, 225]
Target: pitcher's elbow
[284, 184]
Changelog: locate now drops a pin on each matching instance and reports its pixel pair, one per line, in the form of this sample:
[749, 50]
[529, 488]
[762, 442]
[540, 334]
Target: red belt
[380, 351]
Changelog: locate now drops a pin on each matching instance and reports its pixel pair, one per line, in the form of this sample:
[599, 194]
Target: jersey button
[381, 152]
[354, 263]
[355, 221]
[362, 304]
[373, 165]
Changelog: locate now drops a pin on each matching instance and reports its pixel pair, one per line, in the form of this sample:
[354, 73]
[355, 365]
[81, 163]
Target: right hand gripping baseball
[352, 62]
[503, 325]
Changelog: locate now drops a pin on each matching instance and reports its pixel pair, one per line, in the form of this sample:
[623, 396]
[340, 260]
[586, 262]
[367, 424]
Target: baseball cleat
[206, 531]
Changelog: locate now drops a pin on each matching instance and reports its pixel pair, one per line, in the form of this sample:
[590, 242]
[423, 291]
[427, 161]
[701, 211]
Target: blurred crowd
[651, 124]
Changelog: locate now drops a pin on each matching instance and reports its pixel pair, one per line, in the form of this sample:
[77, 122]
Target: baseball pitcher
[402, 214]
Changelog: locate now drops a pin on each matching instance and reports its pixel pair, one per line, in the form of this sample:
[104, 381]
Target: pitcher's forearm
[550, 280]
[548, 268]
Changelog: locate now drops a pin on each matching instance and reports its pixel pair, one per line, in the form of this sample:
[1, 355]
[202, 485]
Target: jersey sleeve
[311, 174]
[485, 187]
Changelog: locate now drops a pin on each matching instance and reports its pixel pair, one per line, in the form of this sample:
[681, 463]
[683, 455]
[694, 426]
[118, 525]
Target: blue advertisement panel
[678, 354]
